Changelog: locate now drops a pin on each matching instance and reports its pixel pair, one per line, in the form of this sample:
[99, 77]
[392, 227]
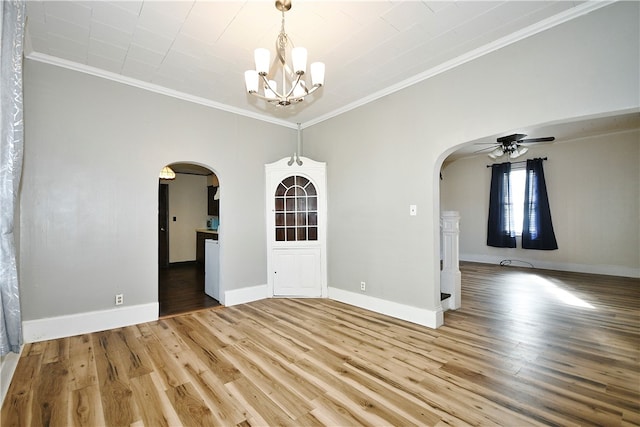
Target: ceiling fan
[512, 145]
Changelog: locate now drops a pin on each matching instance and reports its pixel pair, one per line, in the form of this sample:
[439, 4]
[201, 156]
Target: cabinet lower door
[297, 272]
[212, 269]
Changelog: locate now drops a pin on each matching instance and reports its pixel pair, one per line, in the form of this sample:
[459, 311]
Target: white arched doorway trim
[307, 253]
[216, 174]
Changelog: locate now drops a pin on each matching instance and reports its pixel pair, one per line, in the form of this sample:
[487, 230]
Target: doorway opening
[449, 253]
[188, 223]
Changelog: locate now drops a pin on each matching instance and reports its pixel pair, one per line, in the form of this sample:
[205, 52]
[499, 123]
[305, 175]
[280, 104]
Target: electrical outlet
[363, 286]
[119, 299]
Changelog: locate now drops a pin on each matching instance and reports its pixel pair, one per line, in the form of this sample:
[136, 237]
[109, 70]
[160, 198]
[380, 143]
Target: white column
[450, 277]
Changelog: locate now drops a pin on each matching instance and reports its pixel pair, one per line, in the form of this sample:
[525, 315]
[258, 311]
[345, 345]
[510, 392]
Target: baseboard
[7, 369]
[244, 295]
[446, 304]
[84, 323]
[607, 270]
[421, 316]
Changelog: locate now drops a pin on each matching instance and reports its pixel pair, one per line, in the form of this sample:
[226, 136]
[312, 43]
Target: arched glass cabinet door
[296, 210]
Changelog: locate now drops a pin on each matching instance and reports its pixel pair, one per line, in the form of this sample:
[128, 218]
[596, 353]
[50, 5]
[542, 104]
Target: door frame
[163, 222]
[274, 174]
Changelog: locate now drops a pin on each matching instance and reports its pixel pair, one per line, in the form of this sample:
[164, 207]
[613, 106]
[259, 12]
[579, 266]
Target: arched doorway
[188, 219]
[448, 223]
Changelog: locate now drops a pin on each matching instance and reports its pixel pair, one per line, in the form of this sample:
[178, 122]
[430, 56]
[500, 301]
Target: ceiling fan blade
[534, 140]
[486, 149]
[511, 138]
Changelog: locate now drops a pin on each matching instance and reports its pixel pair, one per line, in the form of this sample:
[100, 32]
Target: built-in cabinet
[296, 208]
[213, 204]
[201, 236]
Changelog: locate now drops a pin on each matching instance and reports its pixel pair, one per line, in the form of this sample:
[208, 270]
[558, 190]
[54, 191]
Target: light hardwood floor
[528, 347]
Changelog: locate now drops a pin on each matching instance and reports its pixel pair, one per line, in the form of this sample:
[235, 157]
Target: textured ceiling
[198, 50]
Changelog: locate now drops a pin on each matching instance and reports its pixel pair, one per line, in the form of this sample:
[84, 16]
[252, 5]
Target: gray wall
[89, 198]
[94, 148]
[386, 155]
[593, 186]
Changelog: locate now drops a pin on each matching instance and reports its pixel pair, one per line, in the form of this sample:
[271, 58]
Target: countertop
[206, 230]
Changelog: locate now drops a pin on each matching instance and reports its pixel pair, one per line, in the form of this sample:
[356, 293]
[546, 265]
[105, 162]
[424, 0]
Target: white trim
[529, 31]
[316, 172]
[608, 270]
[244, 295]
[7, 369]
[421, 316]
[553, 21]
[446, 304]
[92, 321]
[151, 87]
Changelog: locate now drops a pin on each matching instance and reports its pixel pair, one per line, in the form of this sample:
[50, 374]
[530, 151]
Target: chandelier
[294, 88]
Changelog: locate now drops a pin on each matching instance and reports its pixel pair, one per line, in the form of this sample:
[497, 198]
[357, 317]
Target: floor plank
[528, 347]
[181, 289]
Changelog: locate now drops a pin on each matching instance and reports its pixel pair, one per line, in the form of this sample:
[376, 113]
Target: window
[517, 179]
[519, 205]
[296, 213]
[501, 222]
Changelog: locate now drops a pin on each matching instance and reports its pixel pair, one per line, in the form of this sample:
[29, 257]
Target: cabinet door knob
[161, 228]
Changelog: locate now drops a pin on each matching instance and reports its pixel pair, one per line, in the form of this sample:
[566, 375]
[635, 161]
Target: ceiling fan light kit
[512, 145]
[518, 151]
[498, 152]
[294, 88]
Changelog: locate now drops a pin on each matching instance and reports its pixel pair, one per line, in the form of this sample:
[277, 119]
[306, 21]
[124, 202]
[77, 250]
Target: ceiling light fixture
[294, 88]
[517, 151]
[513, 150]
[498, 152]
[167, 173]
[512, 145]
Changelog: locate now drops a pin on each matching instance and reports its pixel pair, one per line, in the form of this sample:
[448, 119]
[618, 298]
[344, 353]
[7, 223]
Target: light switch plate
[413, 210]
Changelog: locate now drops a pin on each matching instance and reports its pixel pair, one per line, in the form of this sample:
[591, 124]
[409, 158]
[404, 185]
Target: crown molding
[119, 78]
[553, 21]
[523, 33]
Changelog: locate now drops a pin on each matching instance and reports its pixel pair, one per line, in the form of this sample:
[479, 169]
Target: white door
[296, 272]
[296, 228]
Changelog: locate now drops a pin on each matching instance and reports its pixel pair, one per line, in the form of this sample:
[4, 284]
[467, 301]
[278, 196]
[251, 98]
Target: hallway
[181, 289]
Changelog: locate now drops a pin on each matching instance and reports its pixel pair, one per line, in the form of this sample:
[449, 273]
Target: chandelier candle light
[294, 88]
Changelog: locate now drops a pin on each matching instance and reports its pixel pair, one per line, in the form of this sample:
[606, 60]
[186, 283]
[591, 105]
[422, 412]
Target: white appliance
[212, 268]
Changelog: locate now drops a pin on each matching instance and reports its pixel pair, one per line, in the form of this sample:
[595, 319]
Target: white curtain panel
[11, 152]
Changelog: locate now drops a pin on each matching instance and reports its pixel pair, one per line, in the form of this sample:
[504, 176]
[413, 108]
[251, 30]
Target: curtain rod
[515, 163]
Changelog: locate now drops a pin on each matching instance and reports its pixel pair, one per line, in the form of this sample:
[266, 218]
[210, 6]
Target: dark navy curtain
[500, 230]
[537, 228]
